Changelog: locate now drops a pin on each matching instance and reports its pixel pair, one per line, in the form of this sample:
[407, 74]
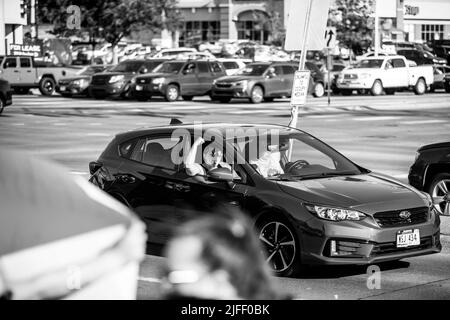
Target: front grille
[223, 85]
[391, 247]
[99, 80]
[64, 82]
[389, 219]
[350, 76]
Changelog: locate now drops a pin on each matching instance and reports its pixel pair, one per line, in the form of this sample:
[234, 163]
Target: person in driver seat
[269, 163]
[212, 159]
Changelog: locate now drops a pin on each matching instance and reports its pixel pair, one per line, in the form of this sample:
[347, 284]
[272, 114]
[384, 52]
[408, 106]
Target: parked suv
[116, 81]
[265, 81]
[175, 78]
[421, 57]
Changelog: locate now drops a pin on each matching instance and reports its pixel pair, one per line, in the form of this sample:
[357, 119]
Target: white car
[385, 73]
[233, 65]
[173, 53]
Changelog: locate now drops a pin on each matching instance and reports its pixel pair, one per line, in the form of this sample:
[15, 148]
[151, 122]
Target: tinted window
[126, 148]
[152, 65]
[169, 67]
[190, 68]
[398, 63]
[278, 70]
[10, 62]
[203, 67]
[128, 66]
[253, 70]
[338, 67]
[25, 62]
[215, 67]
[288, 69]
[155, 152]
[230, 65]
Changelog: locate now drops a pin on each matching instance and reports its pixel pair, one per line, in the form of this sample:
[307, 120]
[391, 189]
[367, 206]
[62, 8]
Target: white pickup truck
[24, 73]
[385, 73]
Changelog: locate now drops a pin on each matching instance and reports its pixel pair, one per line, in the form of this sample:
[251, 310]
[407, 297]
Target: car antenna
[175, 121]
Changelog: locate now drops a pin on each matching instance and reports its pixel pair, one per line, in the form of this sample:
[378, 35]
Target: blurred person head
[217, 257]
[212, 156]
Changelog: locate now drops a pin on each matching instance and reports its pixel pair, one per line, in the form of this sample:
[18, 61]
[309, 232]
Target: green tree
[354, 23]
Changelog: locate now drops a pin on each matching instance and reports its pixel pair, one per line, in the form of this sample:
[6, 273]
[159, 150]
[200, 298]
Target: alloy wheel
[441, 196]
[172, 93]
[279, 243]
[257, 94]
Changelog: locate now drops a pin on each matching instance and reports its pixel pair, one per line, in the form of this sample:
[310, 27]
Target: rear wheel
[280, 244]
[377, 88]
[47, 86]
[420, 87]
[257, 94]
[172, 93]
[319, 90]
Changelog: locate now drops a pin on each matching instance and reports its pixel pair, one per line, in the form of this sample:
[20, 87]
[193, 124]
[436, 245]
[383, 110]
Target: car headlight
[116, 78]
[81, 83]
[158, 80]
[242, 84]
[335, 214]
[214, 81]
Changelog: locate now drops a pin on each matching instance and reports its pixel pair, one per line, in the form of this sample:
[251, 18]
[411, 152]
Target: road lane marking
[375, 118]
[147, 279]
[423, 121]
[98, 134]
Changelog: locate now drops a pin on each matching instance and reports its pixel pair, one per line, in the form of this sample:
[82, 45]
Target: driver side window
[303, 151]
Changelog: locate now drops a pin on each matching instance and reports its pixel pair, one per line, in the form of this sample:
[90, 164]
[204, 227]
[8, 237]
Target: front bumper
[148, 89]
[231, 92]
[71, 89]
[354, 84]
[110, 89]
[364, 242]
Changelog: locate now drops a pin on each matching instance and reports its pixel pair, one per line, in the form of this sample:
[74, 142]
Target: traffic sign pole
[329, 68]
[301, 66]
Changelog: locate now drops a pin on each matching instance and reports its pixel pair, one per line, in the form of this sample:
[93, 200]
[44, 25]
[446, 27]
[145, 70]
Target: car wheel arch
[432, 171]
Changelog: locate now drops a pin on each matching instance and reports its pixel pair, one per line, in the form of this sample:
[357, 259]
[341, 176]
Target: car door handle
[125, 178]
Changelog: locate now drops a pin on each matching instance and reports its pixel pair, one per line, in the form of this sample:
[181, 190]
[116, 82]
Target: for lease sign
[25, 50]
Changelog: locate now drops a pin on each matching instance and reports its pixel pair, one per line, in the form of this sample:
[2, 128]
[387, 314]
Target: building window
[432, 32]
[195, 32]
[253, 25]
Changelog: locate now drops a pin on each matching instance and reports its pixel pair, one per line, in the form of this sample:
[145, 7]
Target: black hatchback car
[318, 207]
[431, 173]
[5, 94]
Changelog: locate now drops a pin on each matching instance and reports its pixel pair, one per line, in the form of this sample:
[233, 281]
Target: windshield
[370, 63]
[426, 54]
[88, 71]
[169, 67]
[128, 67]
[310, 157]
[253, 70]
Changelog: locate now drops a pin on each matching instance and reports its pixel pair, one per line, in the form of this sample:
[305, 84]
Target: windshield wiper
[325, 175]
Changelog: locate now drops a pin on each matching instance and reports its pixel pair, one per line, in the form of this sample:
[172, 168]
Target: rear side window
[288, 69]
[25, 63]
[126, 148]
[398, 63]
[203, 67]
[231, 65]
[155, 151]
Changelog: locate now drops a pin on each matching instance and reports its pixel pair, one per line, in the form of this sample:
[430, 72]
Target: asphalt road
[380, 133]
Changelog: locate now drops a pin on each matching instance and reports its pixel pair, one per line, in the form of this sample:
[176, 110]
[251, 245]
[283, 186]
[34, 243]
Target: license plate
[408, 238]
[139, 88]
[62, 88]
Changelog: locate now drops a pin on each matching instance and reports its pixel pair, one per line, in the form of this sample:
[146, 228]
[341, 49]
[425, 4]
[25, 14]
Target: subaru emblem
[405, 214]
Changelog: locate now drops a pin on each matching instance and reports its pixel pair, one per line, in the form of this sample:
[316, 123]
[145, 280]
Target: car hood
[236, 78]
[369, 193]
[77, 78]
[359, 70]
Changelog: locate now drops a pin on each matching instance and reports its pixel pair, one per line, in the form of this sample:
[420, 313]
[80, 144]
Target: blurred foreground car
[431, 173]
[5, 94]
[317, 208]
[79, 84]
[62, 238]
[440, 73]
[265, 81]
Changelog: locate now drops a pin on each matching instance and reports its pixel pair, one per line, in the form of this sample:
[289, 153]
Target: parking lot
[379, 133]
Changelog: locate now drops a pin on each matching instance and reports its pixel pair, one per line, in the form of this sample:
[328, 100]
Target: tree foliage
[354, 23]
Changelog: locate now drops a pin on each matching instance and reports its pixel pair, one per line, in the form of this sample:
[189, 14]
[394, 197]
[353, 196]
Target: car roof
[191, 127]
[434, 146]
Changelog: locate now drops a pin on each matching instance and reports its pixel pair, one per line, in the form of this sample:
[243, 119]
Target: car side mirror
[220, 175]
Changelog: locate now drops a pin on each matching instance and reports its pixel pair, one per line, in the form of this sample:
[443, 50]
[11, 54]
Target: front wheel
[256, 95]
[280, 244]
[439, 191]
[47, 86]
[420, 87]
[172, 93]
[319, 90]
[377, 88]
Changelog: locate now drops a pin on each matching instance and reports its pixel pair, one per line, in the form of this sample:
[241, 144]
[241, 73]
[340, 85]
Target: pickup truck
[24, 73]
[385, 73]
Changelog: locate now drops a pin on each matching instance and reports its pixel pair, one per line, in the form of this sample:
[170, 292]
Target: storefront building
[211, 20]
[12, 20]
[423, 20]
